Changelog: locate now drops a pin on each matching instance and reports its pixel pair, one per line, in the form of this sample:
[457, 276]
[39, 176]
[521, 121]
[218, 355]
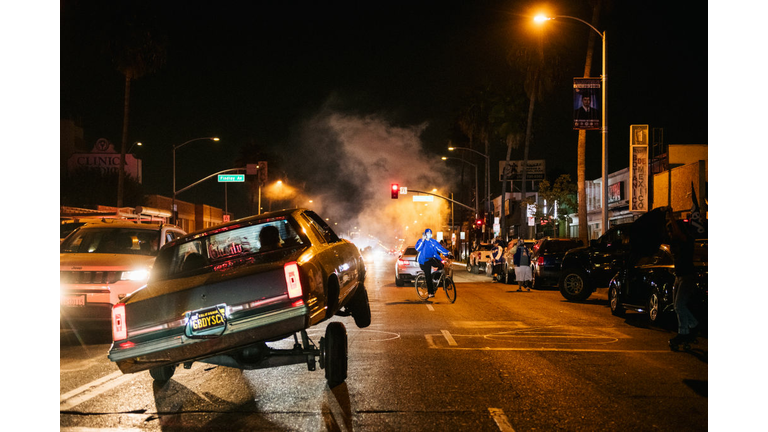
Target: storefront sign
[638, 168]
[105, 158]
[514, 169]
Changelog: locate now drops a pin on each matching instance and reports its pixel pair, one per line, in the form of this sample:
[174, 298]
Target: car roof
[126, 224]
[236, 222]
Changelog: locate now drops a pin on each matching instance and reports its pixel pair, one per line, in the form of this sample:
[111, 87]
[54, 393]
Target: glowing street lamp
[173, 201]
[604, 127]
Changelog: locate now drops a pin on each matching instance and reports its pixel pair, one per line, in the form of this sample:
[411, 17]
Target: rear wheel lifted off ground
[335, 353]
[574, 285]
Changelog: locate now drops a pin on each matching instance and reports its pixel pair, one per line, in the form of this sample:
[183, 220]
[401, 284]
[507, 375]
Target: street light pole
[487, 177]
[173, 200]
[604, 125]
[477, 194]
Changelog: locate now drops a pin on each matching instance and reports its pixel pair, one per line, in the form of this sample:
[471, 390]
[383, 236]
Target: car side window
[323, 229]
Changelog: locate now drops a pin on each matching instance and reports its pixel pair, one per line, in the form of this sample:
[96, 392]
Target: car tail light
[119, 329]
[402, 262]
[292, 279]
[540, 261]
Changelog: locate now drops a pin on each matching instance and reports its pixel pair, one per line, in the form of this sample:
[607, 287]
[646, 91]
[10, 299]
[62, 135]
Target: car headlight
[135, 275]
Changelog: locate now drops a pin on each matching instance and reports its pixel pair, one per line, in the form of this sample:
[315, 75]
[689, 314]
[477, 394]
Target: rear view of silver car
[407, 267]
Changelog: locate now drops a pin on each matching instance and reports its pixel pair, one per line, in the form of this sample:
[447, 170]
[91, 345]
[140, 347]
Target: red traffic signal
[395, 190]
[479, 222]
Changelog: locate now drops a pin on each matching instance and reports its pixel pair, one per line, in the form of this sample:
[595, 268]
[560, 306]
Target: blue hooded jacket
[429, 248]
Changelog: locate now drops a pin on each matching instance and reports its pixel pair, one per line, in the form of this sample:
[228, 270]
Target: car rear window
[220, 250]
[410, 251]
[559, 246]
[112, 240]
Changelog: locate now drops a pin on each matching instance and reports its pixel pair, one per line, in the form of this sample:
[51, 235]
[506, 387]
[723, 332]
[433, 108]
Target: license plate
[207, 323]
[73, 300]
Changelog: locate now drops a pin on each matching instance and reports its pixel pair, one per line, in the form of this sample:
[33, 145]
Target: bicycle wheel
[421, 287]
[450, 289]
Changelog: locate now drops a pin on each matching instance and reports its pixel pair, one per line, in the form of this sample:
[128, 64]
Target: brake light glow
[402, 262]
[540, 261]
[119, 329]
[292, 279]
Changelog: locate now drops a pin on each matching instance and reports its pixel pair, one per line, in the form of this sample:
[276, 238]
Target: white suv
[101, 263]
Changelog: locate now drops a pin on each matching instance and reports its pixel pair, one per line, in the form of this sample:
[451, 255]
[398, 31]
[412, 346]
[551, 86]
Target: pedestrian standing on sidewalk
[497, 255]
[522, 260]
[681, 244]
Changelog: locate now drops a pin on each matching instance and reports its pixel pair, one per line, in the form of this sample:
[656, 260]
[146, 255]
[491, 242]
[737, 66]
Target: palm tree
[137, 50]
[539, 71]
[582, 146]
[507, 116]
[474, 122]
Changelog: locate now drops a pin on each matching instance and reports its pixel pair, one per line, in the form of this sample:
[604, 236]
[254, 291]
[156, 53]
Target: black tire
[335, 346]
[450, 289]
[655, 308]
[163, 373]
[360, 308]
[617, 309]
[399, 281]
[421, 287]
[509, 275]
[574, 285]
[535, 282]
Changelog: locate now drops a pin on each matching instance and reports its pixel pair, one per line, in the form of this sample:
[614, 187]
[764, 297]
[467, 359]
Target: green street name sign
[231, 178]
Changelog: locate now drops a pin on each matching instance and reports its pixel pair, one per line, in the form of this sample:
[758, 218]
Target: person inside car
[269, 237]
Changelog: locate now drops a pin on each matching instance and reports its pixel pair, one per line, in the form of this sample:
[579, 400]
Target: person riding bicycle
[429, 256]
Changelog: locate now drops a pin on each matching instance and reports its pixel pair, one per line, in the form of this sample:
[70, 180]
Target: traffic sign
[226, 178]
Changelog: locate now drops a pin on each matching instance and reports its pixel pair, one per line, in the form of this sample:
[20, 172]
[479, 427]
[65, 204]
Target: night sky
[255, 75]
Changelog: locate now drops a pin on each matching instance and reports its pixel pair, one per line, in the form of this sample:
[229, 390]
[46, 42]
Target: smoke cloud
[348, 163]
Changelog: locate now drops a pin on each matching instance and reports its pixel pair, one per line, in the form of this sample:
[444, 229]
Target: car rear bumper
[91, 316]
[179, 348]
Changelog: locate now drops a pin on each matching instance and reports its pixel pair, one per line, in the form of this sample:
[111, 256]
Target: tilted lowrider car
[219, 295]
[648, 287]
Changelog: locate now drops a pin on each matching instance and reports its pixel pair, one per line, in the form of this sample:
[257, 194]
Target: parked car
[587, 268]
[101, 263]
[219, 295]
[547, 257]
[480, 258]
[648, 288]
[406, 267]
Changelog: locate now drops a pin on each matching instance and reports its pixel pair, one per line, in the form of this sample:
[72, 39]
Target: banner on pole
[587, 112]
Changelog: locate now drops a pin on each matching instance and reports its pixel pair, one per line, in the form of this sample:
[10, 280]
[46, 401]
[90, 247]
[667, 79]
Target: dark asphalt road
[497, 359]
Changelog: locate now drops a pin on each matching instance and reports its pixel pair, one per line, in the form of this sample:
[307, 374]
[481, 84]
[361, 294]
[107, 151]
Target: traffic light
[479, 223]
[395, 190]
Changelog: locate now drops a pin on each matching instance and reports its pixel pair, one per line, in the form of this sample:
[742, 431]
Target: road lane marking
[93, 391]
[430, 307]
[91, 384]
[449, 338]
[501, 420]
